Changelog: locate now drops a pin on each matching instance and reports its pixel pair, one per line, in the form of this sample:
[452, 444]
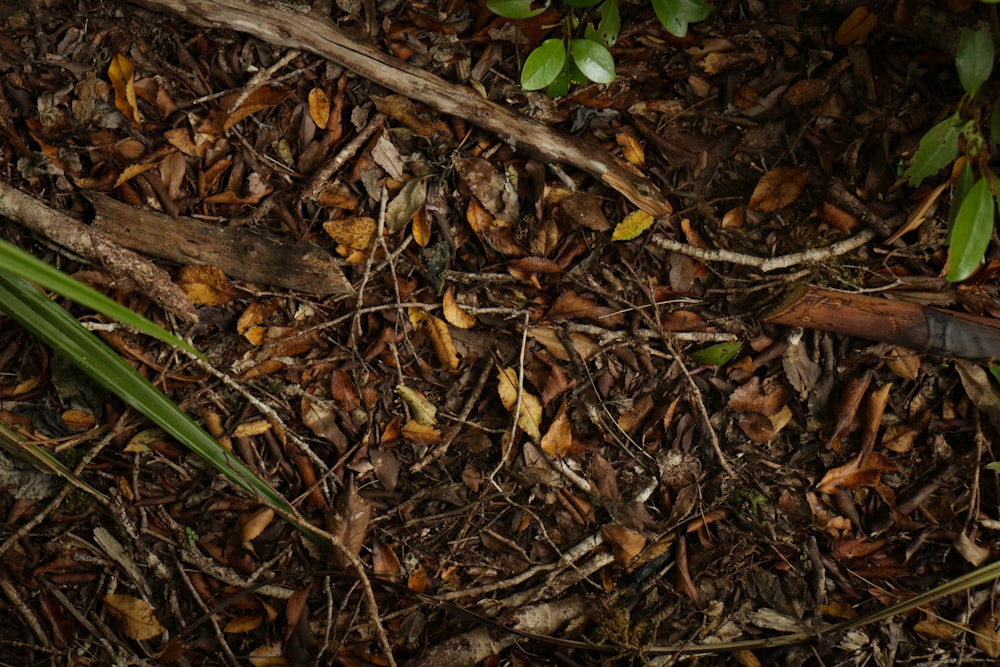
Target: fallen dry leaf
[319, 107]
[136, 616]
[251, 526]
[423, 411]
[778, 188]
[530, 412]
[205, 285]
[349, 521]
[122, 75]
[453, 313]
[856, 473]
[558, 440]
[634, 224]
[626, 543]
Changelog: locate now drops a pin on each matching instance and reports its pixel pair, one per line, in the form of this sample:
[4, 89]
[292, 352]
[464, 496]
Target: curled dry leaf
[778, 188]
[453, 313]
[122, 76]
[631, 149]
[385, 563]
[137, 618]
[530, 413]
[251, 526]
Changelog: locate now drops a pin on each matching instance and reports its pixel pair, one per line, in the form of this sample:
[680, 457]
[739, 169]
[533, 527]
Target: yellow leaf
[136, 616]
[421, 226]
[635, 223]
[242, 624]
[453, 313]
[355, 233]
[559, 438]
[631, 149]
[122, 76]
[443, 345]
[319, 107]
[530, 413]
[205, 285]
[420, 434]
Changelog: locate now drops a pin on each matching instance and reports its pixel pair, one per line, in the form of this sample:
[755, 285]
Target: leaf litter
[502, 416]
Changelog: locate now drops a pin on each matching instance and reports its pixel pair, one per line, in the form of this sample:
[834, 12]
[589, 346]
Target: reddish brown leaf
[857, 473]
[349, 521]
[626, 543]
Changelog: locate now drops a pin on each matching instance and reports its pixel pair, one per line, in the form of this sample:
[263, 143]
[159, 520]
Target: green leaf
[675, 15]
[938, 148]
[995, 371]
[974, 59]
[543, 64]
[607, 30]
[972, 232]
[958, 196]
[594, 60]
[18, 262]
[514, 9]
[718, 354]
[57, 328]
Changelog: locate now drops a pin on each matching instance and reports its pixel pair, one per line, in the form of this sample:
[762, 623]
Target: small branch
[813, 255]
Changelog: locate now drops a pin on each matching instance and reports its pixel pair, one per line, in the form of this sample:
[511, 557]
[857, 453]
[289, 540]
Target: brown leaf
[453, 313]
[137, 618]
[253, 525]
[354, 233]
[321, 419]
[767, 398]
[873, 417]
[764, 428]
[857, 473]
[584, 209]
[349, 521]
[558, 440]
[980, 390]
[987, 630]
[570, 305]
[903, 362]
[264, 97]
[850, 401]
[491, 188]
[205, 285]
[778, 188]
[855, 28]
[401, 108]
[420, 434]
[385, 563]
[626, 543]
[243, 624]
[444, 346]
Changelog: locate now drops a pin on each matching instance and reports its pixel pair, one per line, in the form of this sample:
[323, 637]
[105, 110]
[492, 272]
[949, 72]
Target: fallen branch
[315, 33]
[813, 255]
[933, 330]
[97, 247]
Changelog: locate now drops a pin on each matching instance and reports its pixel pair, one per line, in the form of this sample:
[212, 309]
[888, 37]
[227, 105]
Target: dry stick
[337, 162]
[700, 404]
[767, 263]
[96, 247]
[315, 33]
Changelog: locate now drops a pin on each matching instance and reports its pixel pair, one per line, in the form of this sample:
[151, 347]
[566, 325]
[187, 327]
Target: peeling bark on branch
[314, 33]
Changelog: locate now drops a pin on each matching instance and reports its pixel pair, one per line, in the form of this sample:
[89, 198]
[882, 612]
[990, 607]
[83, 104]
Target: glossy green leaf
[543, 64]
[958, 196]
[18, 262]
[938, 148]
[718, 354]
[514, 9]
[610, 26]
[972, 231]
[676, 15]
[594, 60]
[974, 59]
[54, 326]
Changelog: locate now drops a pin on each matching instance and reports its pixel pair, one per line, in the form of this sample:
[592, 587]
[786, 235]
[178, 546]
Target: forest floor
[515, 409]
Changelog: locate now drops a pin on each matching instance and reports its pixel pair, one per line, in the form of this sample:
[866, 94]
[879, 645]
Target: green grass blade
[57, 328]
[16, 261]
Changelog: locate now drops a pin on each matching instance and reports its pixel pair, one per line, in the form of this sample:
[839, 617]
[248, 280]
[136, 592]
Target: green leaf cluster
[558, 63]
[974, 191]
